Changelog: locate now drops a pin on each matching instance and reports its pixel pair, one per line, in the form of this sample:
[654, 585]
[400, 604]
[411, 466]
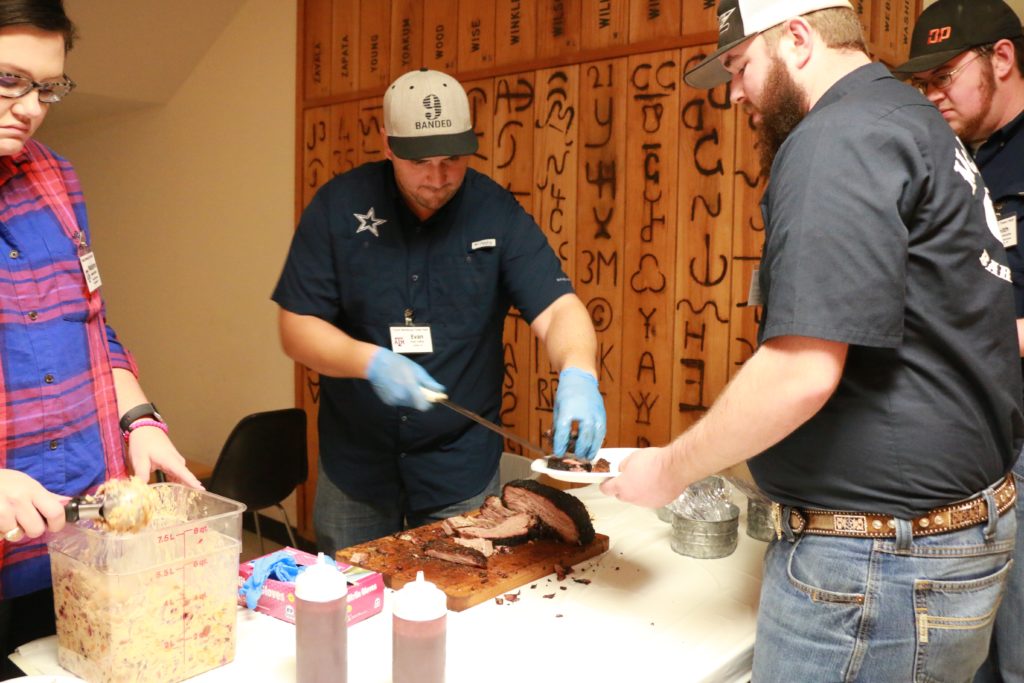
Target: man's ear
[384, 140]
[797, 42]
[1003, 59]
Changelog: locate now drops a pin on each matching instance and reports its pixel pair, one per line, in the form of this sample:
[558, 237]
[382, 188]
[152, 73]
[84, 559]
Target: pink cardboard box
[365, 590]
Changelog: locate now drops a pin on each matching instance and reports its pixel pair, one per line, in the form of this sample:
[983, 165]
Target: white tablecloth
[647, 614]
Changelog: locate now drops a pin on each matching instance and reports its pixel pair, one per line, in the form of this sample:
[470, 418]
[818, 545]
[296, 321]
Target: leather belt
[869, 525]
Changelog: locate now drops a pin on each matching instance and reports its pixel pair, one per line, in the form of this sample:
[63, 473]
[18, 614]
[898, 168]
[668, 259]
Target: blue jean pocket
[954, 623]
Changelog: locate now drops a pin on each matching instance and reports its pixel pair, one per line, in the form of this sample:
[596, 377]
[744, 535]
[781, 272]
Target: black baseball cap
[950, 27]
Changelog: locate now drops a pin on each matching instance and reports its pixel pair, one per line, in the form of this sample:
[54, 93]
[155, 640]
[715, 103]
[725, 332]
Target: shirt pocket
[464, 291]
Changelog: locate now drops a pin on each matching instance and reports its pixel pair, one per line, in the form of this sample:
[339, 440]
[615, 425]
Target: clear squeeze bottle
[321, 624]
[418, 626]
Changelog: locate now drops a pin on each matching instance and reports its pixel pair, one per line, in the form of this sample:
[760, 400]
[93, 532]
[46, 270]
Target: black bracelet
[141, 410]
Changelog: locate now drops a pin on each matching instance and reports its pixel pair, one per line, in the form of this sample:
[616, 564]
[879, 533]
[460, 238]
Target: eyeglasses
[13, 86]
[943, 80]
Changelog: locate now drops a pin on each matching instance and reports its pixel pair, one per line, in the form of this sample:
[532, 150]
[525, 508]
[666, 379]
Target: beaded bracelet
[143, 423]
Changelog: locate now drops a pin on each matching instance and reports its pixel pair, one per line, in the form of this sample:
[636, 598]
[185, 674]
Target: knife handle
[433, 396]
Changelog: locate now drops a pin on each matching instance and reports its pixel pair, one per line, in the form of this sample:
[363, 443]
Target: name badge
[411, 339]
[90, 269]
[754, 295]
[483, 244]
[1008, 231]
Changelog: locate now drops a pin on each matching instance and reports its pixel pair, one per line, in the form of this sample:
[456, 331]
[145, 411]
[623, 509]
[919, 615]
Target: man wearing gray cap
[401, 273]
[881, 412]
[967, 57]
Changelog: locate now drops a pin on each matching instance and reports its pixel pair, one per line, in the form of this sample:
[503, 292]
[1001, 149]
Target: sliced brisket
[564, 515]
[443, 549]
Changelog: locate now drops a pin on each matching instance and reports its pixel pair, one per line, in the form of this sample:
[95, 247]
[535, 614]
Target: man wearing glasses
[967, 57]
[71, 408]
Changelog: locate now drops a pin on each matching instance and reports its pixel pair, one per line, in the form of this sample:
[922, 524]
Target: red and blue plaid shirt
[58, 409]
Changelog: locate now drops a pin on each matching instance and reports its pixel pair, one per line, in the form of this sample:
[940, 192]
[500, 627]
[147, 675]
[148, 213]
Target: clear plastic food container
[153, 606]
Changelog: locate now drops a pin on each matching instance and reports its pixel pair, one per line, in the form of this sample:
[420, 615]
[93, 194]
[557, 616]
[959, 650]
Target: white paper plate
[613, 455]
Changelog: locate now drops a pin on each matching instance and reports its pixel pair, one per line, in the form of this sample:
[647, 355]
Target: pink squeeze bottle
[419, 621]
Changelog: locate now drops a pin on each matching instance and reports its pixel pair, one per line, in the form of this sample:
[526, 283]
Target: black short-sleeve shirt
[359, 260]
[879, 234]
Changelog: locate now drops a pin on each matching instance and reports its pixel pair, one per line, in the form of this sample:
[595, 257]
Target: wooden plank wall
[647, 190]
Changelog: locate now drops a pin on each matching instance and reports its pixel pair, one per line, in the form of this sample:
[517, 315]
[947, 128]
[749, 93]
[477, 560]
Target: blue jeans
[1006, 658]
[881, 610]
[341, 521]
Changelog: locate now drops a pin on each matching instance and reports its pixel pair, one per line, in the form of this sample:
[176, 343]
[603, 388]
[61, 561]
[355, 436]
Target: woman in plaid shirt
[65, 379]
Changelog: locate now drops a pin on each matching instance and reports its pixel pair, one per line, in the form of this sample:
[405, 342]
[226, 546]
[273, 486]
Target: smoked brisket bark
[560, 513]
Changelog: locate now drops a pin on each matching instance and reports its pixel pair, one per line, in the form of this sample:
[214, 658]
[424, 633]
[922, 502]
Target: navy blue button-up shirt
[360, 260]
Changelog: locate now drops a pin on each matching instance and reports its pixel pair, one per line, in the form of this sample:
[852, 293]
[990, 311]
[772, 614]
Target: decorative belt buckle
[777, 520]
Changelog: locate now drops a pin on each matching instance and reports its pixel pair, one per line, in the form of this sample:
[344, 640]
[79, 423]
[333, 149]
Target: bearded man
[881, 412]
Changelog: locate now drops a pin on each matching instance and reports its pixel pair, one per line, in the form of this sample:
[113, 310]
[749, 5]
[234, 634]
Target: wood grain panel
[865, 14]
[558, 27]
[406, 36]
[700, 17]
[476, 34]
[441, 35]
[884, 30]
[512, 168]
[601, 222]
[555, 166]
[652, 166]
[316, 153]
[703, 284]
[371, 126]
[481, 96]
[515, 24]
[316, 48]
[374, 43]
[904, 26]
[605, 23]
[652, 19]
[748, 240]
[344, 53]
[344, 137]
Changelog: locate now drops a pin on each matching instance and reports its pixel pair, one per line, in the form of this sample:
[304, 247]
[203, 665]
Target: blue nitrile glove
[280, 566]
[397, 380]
[578, 400]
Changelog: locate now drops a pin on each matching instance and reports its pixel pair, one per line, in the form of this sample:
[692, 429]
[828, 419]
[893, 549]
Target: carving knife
[438, 397]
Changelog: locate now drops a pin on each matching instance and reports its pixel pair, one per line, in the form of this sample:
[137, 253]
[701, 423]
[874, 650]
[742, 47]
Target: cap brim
[448, 145]
[928, 62]
[710, 73]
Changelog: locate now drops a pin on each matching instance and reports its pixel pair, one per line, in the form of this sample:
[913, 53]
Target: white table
[648, 614]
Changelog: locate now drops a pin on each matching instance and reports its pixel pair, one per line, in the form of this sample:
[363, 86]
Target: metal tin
[705, 539]
[759, 521]
[664, 514]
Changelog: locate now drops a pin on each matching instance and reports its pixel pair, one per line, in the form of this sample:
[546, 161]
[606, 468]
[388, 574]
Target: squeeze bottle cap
[320, 582]
[420, 600]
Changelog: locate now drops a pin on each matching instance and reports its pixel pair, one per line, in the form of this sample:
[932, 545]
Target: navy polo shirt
[1001, 160]
[878, 234]
[360, 259]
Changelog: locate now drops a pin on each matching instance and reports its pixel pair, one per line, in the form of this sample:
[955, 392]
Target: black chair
[262, 461]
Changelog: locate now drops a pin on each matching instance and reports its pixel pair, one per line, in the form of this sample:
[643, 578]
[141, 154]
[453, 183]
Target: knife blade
[442, 398]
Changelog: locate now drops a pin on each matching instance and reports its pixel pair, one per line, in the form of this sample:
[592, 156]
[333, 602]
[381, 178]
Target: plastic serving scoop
[123, 504]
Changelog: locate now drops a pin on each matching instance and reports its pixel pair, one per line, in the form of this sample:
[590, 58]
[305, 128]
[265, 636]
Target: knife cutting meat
[442, 398]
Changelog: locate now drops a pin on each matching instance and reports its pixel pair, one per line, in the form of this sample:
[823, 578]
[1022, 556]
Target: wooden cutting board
[399, 557]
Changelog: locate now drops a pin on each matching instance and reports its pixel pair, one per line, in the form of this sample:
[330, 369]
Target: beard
[969, 129]
[783, 107]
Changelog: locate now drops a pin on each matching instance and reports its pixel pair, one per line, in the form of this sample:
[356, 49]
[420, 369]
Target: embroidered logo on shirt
[369, 221]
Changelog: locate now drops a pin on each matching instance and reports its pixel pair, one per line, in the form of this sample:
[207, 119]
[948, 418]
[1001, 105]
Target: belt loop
[904, 534]
[787, 527]
[993, 513]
